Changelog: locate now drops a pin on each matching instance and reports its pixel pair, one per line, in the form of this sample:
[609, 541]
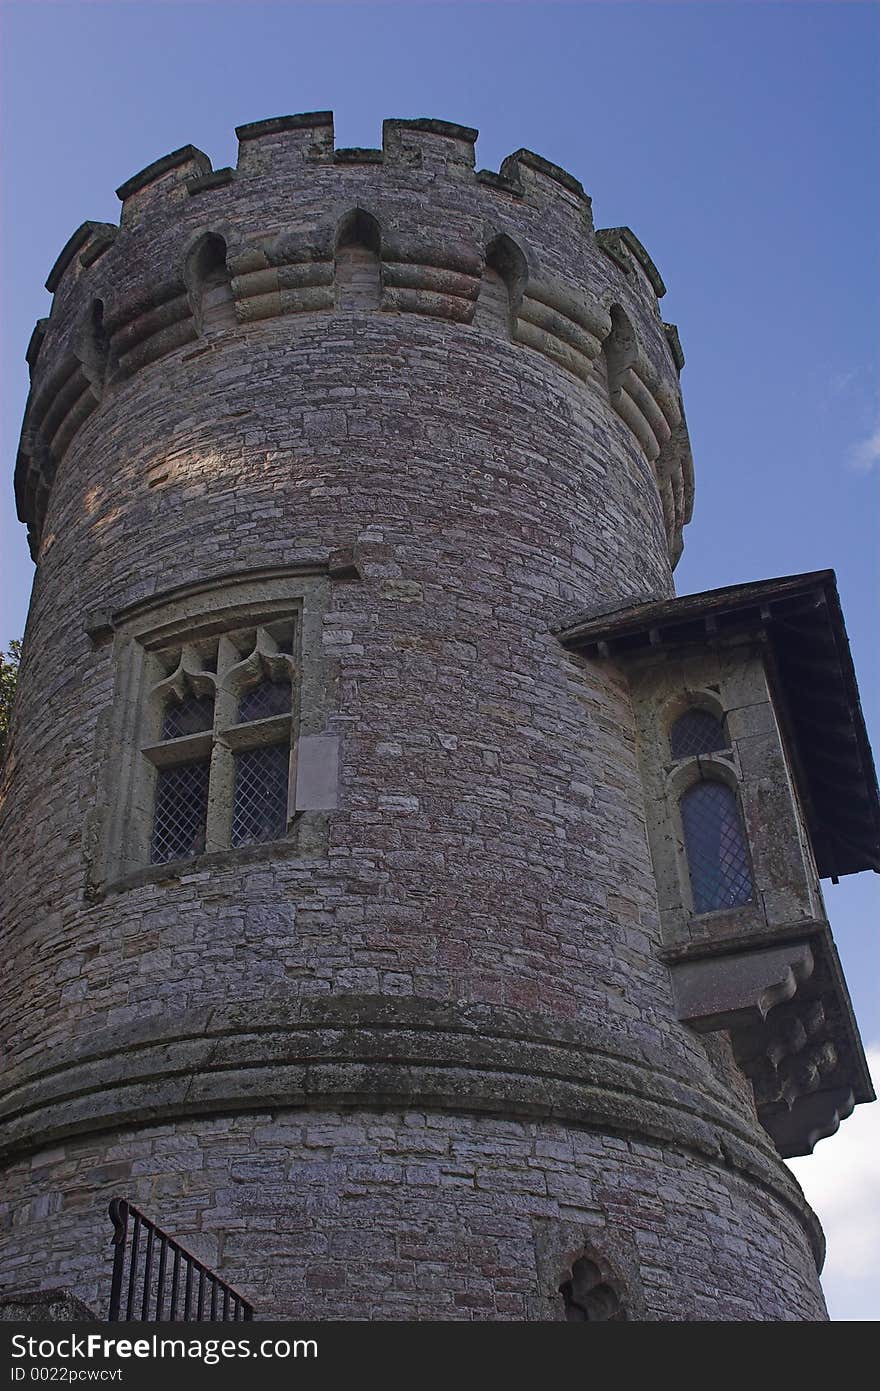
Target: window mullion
[220, 794]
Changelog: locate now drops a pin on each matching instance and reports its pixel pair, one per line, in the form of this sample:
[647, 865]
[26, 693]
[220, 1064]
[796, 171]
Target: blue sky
[738, 140]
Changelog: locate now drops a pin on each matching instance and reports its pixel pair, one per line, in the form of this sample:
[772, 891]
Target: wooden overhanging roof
[799, 621]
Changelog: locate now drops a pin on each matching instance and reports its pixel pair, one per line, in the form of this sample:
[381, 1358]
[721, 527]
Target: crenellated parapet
[200, 251]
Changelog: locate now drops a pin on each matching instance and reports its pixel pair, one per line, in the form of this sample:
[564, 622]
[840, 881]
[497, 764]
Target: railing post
[119, 1218]
[148, 1272]
[175, 1284]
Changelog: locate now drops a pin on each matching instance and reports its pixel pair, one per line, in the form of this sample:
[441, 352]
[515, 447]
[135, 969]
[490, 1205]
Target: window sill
[297, 845]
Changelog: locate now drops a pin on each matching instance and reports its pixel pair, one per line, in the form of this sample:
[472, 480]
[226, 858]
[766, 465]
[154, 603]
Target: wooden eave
[798, 619]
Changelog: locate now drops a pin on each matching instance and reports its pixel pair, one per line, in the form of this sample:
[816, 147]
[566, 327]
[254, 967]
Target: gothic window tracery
[588, 1297]
[219, 739]
[224, 714]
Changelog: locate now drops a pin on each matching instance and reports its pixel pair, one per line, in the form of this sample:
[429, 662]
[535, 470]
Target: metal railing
[165, 1282]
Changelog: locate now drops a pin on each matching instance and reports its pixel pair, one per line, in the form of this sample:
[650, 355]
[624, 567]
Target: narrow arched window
[504, 276]
[358, 263]
[211, 285]
[695, 732]
[715, 846]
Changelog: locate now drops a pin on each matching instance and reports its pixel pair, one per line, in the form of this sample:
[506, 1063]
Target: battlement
[127, 296]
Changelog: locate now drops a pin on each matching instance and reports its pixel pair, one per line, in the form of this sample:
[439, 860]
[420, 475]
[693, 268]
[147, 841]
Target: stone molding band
[555, 320]
[75, 357]
[367, 1052]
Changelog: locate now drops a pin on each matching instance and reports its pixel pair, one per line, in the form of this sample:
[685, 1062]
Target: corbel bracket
[737, 992]
[787, 1032]
[810, 1120]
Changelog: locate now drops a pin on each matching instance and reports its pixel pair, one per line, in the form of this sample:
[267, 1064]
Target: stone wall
[43, 1306]
[413, 1215]
[486, 896]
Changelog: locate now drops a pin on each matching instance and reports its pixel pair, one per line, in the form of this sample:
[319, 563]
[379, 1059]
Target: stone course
[407, 1214]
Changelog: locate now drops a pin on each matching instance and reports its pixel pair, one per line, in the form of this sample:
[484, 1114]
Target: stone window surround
[737, 991]
[733, 687]
[119, 837]
[608, 1248]
[587, 1296]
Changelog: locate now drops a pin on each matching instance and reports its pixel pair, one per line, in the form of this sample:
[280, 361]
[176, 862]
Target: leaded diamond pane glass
[260, 808]
[191, 715]
[696, 732]
[268, 698]
[181, 812]
[716, 848]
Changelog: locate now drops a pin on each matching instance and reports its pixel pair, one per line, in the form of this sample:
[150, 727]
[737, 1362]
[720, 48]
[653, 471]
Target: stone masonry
[416, 1057]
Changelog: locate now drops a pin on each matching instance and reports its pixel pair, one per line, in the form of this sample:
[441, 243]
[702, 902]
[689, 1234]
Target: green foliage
[8, 676]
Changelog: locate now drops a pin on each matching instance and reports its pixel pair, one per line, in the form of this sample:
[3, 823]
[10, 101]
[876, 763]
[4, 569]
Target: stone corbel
[799, 1060]
[810, 1119]
[737, 992]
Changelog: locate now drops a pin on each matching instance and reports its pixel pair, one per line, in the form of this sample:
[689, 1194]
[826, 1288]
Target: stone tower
[413, 906]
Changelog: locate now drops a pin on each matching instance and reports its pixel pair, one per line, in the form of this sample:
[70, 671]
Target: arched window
[504, 277]
[210, 285]
[186, 697]
[587, 1297]
[358, 264]
[697, 731]
[715, 846]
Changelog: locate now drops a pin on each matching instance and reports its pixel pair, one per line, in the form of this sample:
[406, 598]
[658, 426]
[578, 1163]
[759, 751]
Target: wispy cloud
[839, 382]
[866, 454]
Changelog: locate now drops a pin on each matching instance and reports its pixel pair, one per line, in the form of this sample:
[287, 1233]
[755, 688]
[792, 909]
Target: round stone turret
[333, 917]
